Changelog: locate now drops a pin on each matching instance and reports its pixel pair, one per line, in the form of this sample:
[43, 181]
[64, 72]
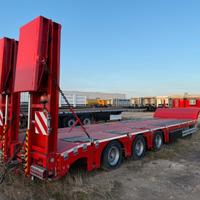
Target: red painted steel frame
[9, 134]
[39, 49]
[70, 152]
[177, 113]
[39, 46]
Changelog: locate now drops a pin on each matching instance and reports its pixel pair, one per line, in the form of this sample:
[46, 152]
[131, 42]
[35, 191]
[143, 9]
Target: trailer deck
[74, 145]
[114, 130]
[48, 152]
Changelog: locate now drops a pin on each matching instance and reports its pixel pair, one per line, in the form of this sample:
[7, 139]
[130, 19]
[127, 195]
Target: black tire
[64, 122]
[112, 156]
[87, 121]
[157, 140]
[138, 148]
[59, 123]
[23, 123]
[68, 122]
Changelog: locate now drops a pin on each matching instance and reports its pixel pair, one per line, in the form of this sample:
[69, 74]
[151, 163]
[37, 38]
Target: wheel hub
[139, 148]
[113, 156]
[158, 141]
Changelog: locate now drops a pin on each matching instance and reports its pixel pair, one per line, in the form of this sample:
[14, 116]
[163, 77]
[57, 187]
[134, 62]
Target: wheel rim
[86, 121]
[113, 156]
[71, 123]
[158, 141]
[139, 147]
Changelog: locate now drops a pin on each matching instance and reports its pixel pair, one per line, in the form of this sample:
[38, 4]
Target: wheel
[138, 147]
[87, 121]
[64, 122]
[59, 123]
[157, 141]
[68, 123]
[71, 122]
[22, 123]
[112, 156]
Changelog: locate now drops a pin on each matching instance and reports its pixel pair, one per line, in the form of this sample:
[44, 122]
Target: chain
[3, 137]
[10, 163]
[66, 100]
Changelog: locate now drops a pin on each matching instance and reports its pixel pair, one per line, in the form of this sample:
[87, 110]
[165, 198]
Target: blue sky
[138, 47]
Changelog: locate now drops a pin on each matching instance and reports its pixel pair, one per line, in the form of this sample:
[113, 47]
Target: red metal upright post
[9, 102]
[37, 72]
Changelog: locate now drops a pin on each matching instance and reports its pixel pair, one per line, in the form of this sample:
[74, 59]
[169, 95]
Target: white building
[96, 95]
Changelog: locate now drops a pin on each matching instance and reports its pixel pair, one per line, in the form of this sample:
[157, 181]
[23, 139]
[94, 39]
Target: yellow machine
[97, 102]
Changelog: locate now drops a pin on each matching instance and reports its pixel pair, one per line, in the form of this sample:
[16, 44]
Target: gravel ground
[171, 173]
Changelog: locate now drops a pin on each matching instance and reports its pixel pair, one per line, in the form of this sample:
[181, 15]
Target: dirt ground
[172, 173]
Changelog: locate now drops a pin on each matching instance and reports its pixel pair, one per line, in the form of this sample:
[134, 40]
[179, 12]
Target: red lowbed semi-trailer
[49, 151]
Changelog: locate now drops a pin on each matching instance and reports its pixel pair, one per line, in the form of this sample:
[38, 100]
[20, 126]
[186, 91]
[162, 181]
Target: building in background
[74, 100]
[97, 95]
[80, 99]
